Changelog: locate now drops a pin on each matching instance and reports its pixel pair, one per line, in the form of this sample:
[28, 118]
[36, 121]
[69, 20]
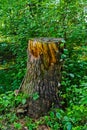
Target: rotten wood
[43, 74]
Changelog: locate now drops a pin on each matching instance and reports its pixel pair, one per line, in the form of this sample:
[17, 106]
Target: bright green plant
[25, 19]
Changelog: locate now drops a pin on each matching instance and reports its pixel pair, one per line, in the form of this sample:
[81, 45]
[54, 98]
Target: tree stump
[43, 76]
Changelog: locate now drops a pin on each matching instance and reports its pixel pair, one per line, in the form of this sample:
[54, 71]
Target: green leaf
[61, 45]
[52, 114]
[84, 101]
[56, 126]
[69, 126]
[23, 101]
[66, 118]
[63, 56]
[71, 75]
[35, 96]
[65, 51]
[17, 125]
[58, 115]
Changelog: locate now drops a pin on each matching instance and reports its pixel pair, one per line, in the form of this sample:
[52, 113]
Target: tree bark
[43, 75]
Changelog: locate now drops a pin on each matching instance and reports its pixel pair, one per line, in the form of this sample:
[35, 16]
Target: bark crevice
[43, 75]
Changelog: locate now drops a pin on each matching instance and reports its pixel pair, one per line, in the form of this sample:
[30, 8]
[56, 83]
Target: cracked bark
[43, 75]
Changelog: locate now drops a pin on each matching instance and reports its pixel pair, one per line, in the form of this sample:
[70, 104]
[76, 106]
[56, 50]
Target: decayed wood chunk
[43, 74]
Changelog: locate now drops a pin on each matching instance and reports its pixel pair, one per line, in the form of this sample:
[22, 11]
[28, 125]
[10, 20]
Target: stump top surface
[48, 40]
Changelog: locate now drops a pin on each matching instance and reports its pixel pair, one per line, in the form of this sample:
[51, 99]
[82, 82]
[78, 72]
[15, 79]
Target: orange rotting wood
[54, 46]
[52, 52]
[47, 50]
[43, 76]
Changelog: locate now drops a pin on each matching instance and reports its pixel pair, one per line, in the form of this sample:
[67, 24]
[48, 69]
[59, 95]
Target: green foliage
[25, 19]
[30, 18]
[8, 101]
[35, 96]
[18, 126]
[69, 119]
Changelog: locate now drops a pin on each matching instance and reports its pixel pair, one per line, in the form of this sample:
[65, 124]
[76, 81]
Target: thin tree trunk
[43, 75]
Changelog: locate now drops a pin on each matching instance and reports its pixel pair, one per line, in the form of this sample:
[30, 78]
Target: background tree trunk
[43, 76]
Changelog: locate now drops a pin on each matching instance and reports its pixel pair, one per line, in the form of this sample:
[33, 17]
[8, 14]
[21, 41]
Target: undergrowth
[73, 92]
